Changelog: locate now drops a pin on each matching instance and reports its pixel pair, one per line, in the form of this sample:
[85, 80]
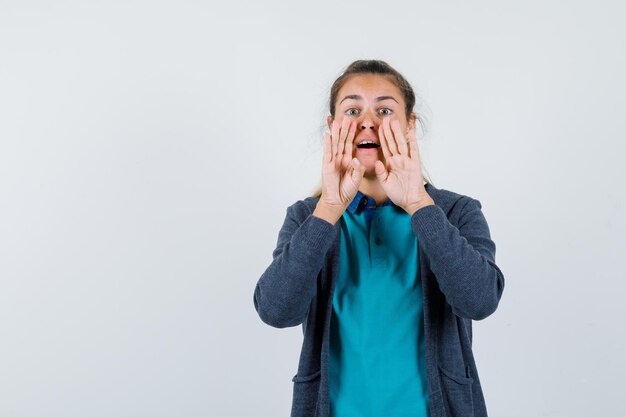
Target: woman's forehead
[369, 87]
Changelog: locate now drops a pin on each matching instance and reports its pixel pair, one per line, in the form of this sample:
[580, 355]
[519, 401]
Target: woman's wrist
[412, 208]
[330, 214]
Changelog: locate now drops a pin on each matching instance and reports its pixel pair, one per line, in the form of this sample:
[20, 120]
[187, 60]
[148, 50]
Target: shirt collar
[362, 201]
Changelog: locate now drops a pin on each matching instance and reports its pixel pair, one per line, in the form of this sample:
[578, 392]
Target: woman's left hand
[401, 178]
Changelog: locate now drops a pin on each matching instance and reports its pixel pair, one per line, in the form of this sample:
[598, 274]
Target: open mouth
[368, 145]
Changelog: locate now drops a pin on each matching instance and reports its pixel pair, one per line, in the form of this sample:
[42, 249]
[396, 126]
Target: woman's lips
[368, 150]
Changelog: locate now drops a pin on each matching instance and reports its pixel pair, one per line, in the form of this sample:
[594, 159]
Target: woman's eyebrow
[357, 97]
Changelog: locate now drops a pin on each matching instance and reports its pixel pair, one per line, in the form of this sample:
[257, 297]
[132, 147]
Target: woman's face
[368, 99]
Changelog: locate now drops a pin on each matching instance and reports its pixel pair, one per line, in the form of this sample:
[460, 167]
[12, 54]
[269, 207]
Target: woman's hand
[402, 177]
[341, 173]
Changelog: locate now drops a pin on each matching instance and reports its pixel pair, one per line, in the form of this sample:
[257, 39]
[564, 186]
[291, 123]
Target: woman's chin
[368, 158]
[370, 168]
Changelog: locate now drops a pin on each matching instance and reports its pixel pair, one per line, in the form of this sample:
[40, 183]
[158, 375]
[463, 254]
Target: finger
[326, 157]
[334, 137]
[343, 133]
[413, 148]
[350, 140]
[391, 142]
[357, 172]
[381, 171]
[403, 148]
[383, 143]
[345, 130]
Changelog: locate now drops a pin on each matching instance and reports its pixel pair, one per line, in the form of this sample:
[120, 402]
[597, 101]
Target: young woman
[384, 271]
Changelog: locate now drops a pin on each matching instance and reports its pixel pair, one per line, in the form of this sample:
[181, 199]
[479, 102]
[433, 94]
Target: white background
[148, 152]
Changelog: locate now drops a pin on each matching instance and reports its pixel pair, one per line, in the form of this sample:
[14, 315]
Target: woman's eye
[349, 112]
[388, 113]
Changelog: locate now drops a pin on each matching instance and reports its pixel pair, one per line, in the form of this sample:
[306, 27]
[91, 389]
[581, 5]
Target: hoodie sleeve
[286, 288]
[462, 259]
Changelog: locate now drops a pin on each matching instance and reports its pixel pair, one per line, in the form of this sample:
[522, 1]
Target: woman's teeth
[365, 145]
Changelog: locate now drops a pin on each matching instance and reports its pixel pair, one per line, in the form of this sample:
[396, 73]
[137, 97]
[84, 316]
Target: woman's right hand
[341, 173]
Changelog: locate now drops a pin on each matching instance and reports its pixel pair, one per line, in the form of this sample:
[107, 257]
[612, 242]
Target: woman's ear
[411, 123]
[329, 121]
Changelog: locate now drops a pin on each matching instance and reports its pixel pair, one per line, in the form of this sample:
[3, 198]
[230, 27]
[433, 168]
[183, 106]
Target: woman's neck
[371, 187]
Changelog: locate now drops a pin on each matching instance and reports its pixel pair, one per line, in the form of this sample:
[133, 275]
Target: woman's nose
[367, 122]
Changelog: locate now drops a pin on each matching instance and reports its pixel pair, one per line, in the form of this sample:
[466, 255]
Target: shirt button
[364, 201]
[378, 241]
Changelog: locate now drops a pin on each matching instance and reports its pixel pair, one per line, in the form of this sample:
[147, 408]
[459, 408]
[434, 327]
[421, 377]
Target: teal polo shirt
[377, 357]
